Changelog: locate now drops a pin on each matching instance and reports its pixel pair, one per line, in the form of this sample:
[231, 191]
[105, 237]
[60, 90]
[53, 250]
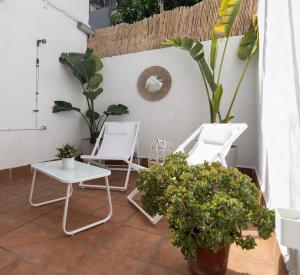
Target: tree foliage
[172, 4]
[130, 11]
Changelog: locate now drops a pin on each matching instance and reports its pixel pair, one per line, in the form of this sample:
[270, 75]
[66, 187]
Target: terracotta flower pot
[210, 263]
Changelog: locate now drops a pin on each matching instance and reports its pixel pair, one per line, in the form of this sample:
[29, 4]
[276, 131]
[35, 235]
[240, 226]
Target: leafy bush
[66, 151]
[207, 206]
[130, 11]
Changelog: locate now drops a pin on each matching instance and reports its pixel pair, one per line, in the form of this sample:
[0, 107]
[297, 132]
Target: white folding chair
[116, 141]
[210, 142]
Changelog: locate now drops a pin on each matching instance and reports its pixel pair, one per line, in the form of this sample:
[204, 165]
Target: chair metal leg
[112, 188]
[223, 160]
[44, 202]
[153, 220]
[127, 177]
[108, 217]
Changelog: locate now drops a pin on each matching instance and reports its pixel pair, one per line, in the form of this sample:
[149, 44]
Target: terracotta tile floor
[31, 240]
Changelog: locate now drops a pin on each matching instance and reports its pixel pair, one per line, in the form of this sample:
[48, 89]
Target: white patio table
[81, 172]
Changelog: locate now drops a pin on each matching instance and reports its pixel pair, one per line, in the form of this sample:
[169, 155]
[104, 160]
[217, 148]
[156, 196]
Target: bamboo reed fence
[195, 22]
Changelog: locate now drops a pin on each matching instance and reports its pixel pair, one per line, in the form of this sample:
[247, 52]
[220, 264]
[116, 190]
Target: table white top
[81, 171]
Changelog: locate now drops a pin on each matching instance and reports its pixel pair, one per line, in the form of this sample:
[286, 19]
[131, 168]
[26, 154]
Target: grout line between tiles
[150, 256]
[24, 259]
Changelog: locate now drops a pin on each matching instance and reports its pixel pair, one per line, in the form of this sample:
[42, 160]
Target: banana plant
[86, 68]
[210, 73]
[247, 49]
[195, 49]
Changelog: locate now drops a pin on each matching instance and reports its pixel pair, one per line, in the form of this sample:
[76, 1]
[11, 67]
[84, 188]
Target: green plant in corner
[207, 206]
[211, 73]
[86, 68]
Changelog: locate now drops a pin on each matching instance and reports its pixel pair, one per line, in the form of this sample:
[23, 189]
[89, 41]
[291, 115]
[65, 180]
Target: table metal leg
[108, 217]
[44, 202]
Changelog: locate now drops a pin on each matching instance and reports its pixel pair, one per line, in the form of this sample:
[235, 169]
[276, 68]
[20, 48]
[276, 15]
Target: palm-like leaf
[216, 101]
[63, 106]
[249, 43]
[227, 14]
[195, 49]
[117, 110]
[92, 115]
[213, 50]
[84, 66]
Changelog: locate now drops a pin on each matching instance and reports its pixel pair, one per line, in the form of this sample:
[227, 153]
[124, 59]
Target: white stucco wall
[21, 24]
[185, 108]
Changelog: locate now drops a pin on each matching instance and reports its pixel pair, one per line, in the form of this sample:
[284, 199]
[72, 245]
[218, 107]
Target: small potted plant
[67, 153]
[208, 207]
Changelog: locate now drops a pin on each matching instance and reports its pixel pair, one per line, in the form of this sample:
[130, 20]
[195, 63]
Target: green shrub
[207, 206]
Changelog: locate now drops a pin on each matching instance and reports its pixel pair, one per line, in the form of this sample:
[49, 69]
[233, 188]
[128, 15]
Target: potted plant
[86, 68]
[207, 207]
[67, 153]
[210, 72]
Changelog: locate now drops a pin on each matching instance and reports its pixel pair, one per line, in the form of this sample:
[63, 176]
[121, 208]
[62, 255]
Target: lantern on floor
[160, 149]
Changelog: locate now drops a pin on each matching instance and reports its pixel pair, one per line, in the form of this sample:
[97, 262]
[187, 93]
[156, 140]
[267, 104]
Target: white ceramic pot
[68, 163]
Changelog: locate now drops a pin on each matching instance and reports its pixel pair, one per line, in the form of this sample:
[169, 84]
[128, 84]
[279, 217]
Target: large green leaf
[90, 114]
[89, 68]
[187, 43]
[95, 81]
[207, 73]
[84, 66]
[93, 94]
[73, 61]
[249, 43]
[175, 41]
[216, 101]
[63, 106]
[88, 53]
[227, 13]
[213, 50]
[195, 49]
[117, 110]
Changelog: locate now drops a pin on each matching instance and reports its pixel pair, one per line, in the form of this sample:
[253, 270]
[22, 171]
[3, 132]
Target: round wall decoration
[154, 83]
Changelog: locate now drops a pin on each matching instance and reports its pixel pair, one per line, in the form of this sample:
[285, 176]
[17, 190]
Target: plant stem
[92, 117]
[214, 117]
[207, 92]
[236, 90]
[219, 116]
[85, 119]
[222, 61]
[100, 120]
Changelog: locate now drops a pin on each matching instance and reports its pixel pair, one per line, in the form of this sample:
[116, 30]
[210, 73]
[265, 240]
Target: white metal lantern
[160, 149]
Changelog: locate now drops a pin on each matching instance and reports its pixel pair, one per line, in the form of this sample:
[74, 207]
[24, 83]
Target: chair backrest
[119, 140]
[213, 142]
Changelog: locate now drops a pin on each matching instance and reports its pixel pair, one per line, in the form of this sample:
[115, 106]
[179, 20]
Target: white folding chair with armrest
[119, 142]
[212, 142]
